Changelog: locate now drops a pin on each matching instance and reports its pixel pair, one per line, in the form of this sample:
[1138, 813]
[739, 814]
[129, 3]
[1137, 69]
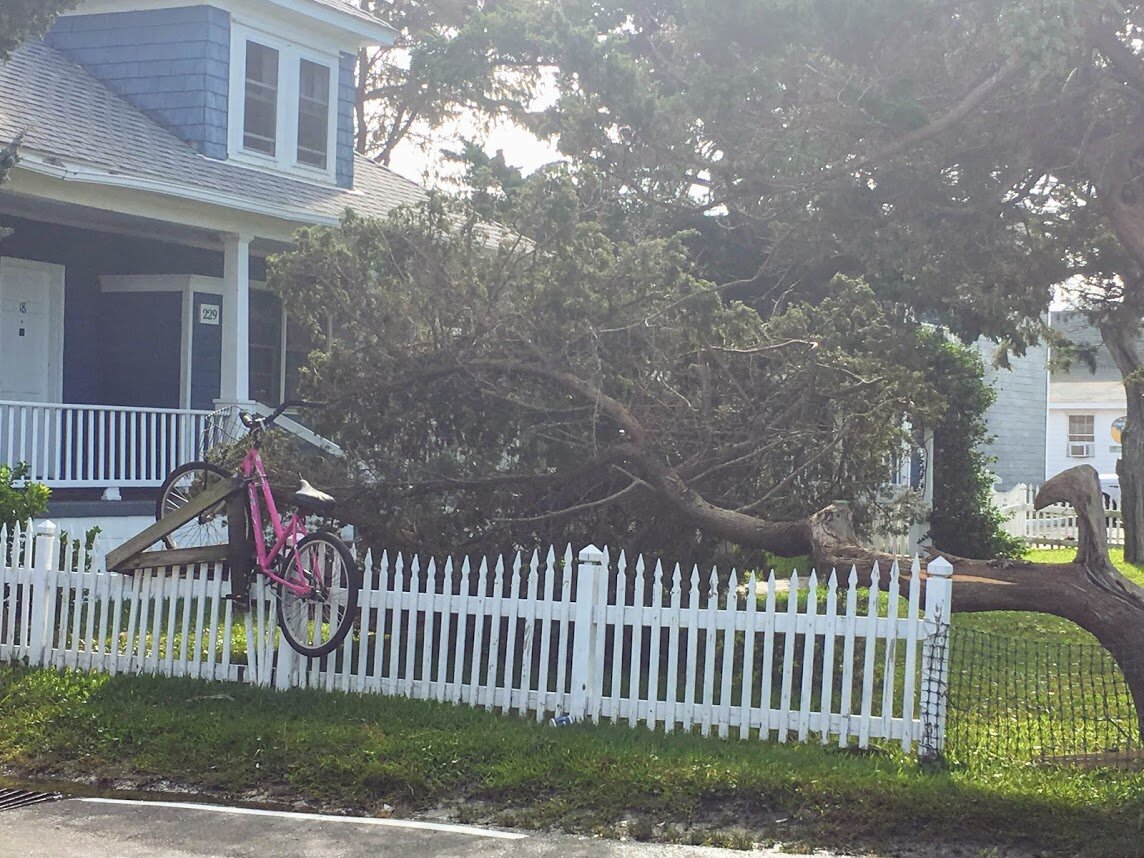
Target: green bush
[965, 520]
[21, 500]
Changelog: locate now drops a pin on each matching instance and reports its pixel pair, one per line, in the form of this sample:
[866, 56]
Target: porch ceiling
[38, 208]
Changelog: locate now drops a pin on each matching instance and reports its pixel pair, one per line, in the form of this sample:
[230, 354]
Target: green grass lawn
[360, 753]
[1027, 686]
[337, 751]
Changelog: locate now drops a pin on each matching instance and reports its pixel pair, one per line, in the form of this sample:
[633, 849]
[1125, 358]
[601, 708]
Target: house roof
[76, 129]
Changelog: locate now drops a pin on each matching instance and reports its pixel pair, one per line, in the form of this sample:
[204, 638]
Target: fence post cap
[46, 528]
[591, 554]
[939, 567]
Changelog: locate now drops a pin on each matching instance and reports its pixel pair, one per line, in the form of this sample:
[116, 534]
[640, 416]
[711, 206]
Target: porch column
[235, 386]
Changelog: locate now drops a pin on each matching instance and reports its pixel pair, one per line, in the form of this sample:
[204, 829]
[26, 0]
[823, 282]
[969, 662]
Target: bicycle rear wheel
[317, 624]
[183, 485]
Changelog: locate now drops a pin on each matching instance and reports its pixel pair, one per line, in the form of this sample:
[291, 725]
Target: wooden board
[122, 558]
[239, 549]
[175, 557]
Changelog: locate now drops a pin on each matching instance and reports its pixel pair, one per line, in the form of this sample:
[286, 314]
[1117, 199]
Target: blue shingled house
[169, 147]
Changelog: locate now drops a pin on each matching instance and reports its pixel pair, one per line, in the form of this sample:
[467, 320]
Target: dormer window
[284, 118]
[313, 114]
[260, 127]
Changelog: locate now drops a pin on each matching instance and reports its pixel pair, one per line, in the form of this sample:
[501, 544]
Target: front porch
[119, 338]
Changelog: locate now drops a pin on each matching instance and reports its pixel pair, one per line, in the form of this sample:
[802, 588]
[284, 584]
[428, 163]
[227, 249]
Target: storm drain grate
[13, 798]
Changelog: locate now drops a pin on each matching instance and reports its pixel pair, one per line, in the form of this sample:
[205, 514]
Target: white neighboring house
[1083, 425]
[1086, 408]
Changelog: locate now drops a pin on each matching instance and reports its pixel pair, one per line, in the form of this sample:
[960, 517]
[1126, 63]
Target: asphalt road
[95, 828]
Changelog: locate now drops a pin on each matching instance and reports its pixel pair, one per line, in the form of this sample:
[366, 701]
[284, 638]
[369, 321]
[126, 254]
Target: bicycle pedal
[241, 601]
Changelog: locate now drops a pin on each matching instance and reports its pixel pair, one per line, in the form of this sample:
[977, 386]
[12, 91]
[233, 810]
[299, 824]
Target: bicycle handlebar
[251, 422]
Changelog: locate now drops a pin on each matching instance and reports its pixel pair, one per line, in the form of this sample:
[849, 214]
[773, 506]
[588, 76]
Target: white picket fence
[1052, 527]
[627, 641]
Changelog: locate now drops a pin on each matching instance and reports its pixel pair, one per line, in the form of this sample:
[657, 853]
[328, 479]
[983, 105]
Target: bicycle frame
[254, 474]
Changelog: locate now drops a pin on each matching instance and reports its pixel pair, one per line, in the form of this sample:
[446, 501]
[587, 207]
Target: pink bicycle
[315, 575]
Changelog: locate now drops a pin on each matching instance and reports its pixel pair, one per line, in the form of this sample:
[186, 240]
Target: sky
[418, 156]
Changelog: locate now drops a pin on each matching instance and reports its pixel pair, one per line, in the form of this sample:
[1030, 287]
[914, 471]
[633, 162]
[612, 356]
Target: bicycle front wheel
[183, 485]
[314, 625]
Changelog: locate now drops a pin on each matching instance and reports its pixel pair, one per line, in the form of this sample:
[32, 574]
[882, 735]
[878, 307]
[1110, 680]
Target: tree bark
[1121, 334]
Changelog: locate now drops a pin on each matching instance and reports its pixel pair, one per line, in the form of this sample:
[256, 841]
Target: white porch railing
[98, 446]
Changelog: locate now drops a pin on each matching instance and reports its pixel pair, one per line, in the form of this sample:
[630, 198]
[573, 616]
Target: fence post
[935, 658]
[41, 621]
[589, 580]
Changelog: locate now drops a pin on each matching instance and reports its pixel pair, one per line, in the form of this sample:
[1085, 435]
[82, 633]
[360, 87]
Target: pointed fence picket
[806, 659]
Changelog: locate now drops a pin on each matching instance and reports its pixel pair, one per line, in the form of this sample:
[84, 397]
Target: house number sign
[208, 314]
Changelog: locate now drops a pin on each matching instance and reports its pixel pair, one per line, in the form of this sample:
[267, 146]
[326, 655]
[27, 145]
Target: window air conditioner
[1081, 449]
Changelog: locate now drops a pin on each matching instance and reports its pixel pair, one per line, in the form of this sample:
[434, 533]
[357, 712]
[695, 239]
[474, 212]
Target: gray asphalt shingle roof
[69, 116]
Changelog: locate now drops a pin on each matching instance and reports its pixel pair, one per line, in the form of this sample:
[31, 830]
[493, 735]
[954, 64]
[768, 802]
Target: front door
[31, 360]
[31, 331]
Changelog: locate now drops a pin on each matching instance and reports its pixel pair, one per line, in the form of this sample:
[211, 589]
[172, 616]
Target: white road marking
[318, 817]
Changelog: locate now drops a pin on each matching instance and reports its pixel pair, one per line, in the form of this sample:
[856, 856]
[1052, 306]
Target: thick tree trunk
[1089, 591]
[1121, 334]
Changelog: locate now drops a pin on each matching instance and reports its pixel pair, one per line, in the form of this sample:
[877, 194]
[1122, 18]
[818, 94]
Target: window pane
[260, 129]
[1082, 427]
[313, 113]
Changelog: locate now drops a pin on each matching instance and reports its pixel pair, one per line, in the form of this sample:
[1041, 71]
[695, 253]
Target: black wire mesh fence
[1022, 700]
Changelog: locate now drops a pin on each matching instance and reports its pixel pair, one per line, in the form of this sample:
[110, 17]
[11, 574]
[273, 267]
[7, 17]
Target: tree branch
[1123, 59]
[630, 487]
[955, 115]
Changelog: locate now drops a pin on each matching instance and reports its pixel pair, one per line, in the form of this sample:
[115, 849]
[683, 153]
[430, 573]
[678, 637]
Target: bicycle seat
[309, 499]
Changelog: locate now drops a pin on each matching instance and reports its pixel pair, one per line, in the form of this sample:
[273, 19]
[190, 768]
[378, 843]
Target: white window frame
[1081, 445]
[1082, 437]
[290, 56]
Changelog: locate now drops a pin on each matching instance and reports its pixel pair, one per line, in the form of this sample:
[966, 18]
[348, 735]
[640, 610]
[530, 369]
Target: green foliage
[22, 19]
[21, 500]
[553, 388]
[964, 520]
[456, 57]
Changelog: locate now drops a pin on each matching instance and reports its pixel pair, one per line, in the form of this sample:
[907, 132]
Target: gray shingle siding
[1017, 418]
[347, 96]
[173, 64]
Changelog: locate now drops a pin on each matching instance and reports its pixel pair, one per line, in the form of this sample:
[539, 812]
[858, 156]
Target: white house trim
[323, 22]
[235, 384]
[283, 219]
[186, 348]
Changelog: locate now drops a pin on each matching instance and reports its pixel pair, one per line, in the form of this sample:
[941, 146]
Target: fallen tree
[584, 388]
[1089, 591]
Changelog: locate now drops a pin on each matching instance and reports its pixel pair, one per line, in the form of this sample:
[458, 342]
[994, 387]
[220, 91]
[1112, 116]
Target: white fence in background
[1052, 527]
[626, 641]
[97, 446]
